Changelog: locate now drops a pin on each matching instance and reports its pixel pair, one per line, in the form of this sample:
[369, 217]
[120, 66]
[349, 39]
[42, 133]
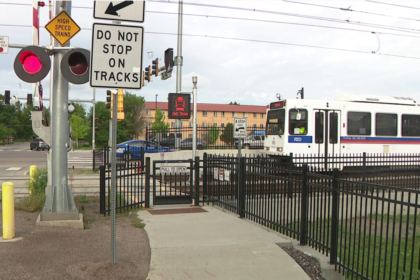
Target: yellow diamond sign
[62, 28]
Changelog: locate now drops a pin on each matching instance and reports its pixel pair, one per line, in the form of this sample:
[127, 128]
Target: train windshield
[275, 122]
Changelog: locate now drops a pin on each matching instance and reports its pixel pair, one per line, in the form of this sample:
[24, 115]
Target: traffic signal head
[75, 66]
[96, 124]
[155, 67]
[32, 64]
[109, 100]
[29, 99]
[169, 60]
[7, 97]
[148, 74]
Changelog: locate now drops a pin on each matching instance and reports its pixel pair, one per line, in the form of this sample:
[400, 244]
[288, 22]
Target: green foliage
[159, 125]
[234, 103]
[39, 183]
[227, 135]
[79, 128]
[82, 198]
[213, 134]
[135, 221]
[15, 120]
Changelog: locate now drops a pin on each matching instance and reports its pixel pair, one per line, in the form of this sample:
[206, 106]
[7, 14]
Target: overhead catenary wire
[395, 5]
[349, 10]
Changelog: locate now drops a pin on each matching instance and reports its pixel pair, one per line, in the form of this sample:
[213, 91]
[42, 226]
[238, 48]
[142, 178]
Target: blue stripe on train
[300, 139]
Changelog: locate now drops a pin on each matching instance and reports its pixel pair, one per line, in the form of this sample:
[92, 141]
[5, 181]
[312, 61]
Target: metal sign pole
[113, 176]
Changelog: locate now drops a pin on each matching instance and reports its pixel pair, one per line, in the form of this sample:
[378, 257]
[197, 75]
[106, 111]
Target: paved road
[16, 159]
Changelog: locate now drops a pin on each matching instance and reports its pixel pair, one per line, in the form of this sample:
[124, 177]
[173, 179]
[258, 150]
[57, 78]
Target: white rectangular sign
[116, 56]
[173, 169]
[119, 10]
[239, 128]
[4, 44]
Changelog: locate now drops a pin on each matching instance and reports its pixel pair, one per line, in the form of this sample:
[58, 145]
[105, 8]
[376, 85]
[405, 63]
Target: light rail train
[350, 124]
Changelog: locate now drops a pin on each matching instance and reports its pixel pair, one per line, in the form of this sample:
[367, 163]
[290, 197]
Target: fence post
[147, 191]
[102, 189]
[304, 206]
[290, 181]
[197, 181]
[242, 179]
[334, 221]
[205, 198]
[93, 160]
[364, 173]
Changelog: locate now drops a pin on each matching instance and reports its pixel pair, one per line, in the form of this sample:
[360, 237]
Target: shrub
[39, 183]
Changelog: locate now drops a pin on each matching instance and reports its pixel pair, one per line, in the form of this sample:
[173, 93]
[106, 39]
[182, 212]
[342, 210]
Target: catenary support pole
[179, 71]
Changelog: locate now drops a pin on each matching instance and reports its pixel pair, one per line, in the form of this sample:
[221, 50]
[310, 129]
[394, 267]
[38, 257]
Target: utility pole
[179, 72]
[60, 203]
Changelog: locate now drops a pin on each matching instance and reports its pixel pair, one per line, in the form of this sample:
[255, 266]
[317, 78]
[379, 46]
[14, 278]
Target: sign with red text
[179, 106]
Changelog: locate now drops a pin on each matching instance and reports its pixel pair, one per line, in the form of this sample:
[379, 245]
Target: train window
[359, 123]
[275, 122]
[298, 122]
[410, 125]
[386, 124]
[333, 128]
[319, 127]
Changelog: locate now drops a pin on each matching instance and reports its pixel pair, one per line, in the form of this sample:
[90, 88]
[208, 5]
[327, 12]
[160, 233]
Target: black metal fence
[364, 217]
[132, 185]
[208, 137]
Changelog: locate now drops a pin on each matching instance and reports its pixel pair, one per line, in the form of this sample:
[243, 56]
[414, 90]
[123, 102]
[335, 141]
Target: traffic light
[144, 80]
[169, 60]
[96, 124]
[29, 99]
[32, 64]
[7, 97]
[109, 100]
[75, 66]
[155, 67]
[148, 73]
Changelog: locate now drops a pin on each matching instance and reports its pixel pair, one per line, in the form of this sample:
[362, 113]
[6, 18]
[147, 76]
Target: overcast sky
[248, 51]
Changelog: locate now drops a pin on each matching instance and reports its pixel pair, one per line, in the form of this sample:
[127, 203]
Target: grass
[82, 171]
[32, 203]
[381, 251]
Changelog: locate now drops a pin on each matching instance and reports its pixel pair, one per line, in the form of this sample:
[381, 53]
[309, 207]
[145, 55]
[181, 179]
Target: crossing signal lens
[75, 65]
[32, 64]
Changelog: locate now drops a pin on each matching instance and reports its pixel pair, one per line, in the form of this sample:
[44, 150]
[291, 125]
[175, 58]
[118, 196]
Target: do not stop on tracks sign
[116, 59]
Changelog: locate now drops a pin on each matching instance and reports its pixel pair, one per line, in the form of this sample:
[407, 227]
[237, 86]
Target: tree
[213, 134]
[134, 122]
[79, 128]
[234, 103]
[159, 125]
[227, 135]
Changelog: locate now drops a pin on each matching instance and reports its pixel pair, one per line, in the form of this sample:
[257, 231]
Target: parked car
[254, 141]
[132, 149]
[38, 144]
[187, 143]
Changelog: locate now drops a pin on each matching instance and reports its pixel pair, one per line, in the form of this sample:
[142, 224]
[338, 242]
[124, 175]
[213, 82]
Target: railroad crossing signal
[32, 64]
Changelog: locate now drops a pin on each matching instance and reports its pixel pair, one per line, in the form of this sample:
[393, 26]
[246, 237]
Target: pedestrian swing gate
[173, 182]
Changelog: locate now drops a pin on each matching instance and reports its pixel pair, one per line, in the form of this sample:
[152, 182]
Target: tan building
[213, 114]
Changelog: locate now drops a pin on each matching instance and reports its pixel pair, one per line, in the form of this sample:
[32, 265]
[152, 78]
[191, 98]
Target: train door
[327, 132]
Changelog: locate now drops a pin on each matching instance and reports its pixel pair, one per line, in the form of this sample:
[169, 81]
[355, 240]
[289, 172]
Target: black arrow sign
[112, 10]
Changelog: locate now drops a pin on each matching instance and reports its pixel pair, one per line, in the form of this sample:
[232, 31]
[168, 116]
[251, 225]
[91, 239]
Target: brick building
[213, 114]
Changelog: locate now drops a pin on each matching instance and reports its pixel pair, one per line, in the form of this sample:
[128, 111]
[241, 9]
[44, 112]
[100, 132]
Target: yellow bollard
[32, 171]
[8, 204]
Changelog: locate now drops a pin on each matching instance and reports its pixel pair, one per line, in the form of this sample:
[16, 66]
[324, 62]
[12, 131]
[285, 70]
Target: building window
[163, 112]
[191, 124]
[148, 112]
[255, 115]
[215, 113]
[222, 114]
[245, 115]
[234, 114]
[254, 125]
[261, 125]
[204, 124]
[215, 124]
[262, 115]
[204, 113]
[222, 124]
[172, 124]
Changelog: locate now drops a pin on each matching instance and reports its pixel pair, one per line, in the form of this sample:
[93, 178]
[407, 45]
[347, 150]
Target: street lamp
[156, 104]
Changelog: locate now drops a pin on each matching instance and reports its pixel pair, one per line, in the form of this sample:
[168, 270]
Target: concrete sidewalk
[214, 244]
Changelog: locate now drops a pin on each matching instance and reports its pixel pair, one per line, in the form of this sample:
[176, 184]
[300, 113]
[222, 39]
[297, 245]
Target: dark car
[132, 149]
[38, 144]
[186, 144]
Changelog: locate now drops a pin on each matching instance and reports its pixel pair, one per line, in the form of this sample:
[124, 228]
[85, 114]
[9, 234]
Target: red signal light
[30, 62]
[75, 66]
[41, 3]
